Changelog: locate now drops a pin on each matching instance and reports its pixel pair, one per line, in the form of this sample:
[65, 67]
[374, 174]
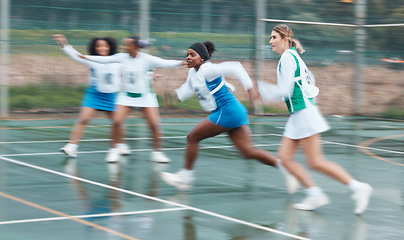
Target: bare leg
[313, 152]
[242, 139]
[204, 129]
[286, 153]
[110, 116]
[152, 116]
[86, 114]
[118, 118]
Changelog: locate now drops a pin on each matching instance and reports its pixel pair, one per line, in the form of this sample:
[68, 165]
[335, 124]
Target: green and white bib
[297, 101]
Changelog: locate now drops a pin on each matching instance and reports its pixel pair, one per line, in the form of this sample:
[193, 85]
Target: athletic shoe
[159, 157]
[361, 198]
[123, 149]
[311, 203]
[292, 184]
[70, 150]
[177, 180]
[113, 155]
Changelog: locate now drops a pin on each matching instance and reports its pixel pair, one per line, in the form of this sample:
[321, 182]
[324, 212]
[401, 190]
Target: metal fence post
[259, 44]
[4, 81]
[144, 21]
[360, 41]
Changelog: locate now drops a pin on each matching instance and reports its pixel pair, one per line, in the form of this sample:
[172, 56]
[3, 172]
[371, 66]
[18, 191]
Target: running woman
[305, 125]
[104, 82]
[137, 70]
[228, 114]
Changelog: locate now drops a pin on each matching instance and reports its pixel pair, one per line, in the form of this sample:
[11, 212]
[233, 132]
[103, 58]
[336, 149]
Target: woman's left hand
[254, 95]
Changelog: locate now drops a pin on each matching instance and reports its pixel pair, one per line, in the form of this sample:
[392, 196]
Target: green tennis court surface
[44, 195]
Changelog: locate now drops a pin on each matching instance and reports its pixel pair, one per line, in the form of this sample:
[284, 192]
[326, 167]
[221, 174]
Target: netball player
[305, 125]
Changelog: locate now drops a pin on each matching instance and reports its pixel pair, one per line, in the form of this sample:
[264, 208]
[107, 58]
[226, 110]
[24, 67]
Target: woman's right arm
[285, 81]
[185, 91]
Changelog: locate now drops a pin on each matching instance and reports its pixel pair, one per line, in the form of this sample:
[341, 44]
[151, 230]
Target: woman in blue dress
[104, 83]
[205, 79]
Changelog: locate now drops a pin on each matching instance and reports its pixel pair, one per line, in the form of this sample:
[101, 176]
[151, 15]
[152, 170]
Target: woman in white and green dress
[305, 124]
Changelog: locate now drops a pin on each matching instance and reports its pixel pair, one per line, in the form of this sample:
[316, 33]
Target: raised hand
[61, 39]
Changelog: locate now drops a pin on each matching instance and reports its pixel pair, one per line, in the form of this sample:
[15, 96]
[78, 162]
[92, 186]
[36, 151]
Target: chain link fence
[42, 78]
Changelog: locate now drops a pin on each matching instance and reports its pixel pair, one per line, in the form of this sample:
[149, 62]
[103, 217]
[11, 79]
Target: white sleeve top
[209, 85]
[185, 91]
[211, 71]
[285, 80]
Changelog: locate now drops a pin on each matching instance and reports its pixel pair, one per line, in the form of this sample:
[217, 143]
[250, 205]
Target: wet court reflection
[95, 203]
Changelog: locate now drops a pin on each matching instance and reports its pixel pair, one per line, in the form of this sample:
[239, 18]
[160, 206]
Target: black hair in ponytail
[211, 47]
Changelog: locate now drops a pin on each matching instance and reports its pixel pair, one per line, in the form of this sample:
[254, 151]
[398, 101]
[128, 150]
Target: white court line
[133, 150]
[356, 146]
[155, 199]
[107, 140]
[206, 147]
[91, 216]
[369, 148]
[89, 140]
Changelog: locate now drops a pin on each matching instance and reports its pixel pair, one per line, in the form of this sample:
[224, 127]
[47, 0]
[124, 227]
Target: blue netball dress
[213, 94]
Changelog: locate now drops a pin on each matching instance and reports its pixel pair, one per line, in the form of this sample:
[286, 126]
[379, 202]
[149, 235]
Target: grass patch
[394, 112]
[51, 95]
[57, 96]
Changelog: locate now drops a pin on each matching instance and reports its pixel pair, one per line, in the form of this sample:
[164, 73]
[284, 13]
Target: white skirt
[146, 100]
[305, 123]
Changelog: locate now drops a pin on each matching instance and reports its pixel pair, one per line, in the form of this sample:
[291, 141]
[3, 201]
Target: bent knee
[284, 157]
[154, 127]
[117, 122]
[84, 121]
[191, 137]
[317, 165]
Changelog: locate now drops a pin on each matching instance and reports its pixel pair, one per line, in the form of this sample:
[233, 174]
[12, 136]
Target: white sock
[120, 145]
[187, 174]
[354, 185]
[281, 167]
[75, 146]
[314, 191]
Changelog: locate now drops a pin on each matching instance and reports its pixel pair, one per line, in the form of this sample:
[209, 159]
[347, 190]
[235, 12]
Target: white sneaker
[123, 149]
[113, 155]
[69, 149]
[177, 180]
[159, 157]
[362, 198]
[311, 203]
[292, 184]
